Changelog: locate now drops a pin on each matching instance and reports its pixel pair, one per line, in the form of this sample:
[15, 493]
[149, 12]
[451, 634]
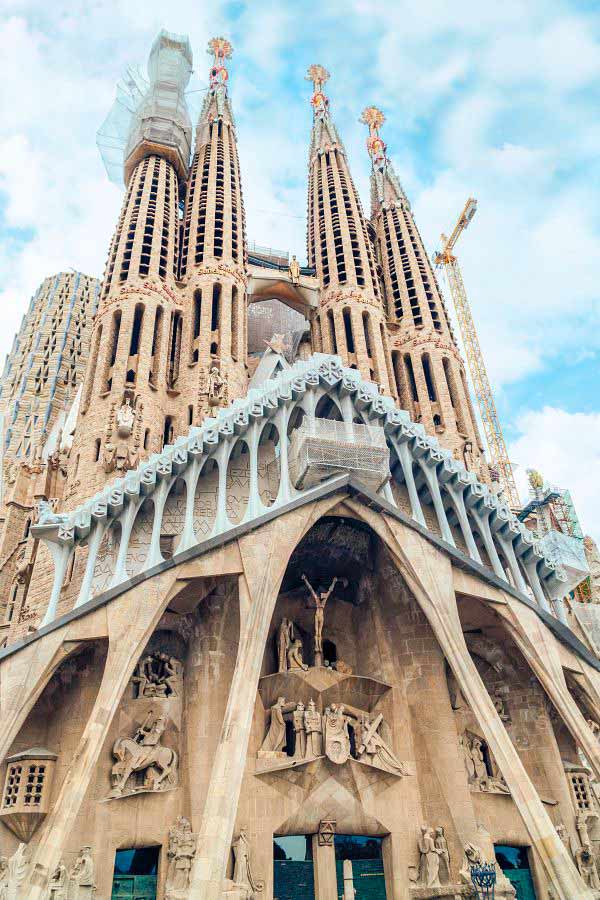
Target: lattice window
[34, 785]
[12, 786]
[582, 794]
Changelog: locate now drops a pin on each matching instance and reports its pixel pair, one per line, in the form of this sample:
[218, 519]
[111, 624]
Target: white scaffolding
[321, 448]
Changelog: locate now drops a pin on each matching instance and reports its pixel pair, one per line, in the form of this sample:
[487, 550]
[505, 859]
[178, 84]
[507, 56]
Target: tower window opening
[365, 321]
[411, 377]
[167, 431]
[190, 414]
[146, 438]
[348, 330]
[156, 341]
[235, 324]
[97, 445]
[174, 349]
[431, 393]
[332, 336]
[216, 304]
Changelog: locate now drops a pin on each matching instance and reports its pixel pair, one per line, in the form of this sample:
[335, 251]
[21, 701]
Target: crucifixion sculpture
[320, 600]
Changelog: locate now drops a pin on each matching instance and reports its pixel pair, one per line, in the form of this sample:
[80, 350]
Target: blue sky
[499, 101]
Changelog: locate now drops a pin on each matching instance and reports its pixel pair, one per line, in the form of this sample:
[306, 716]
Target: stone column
[264, 556]
[428, 574]
[130, 625]
[324, 863]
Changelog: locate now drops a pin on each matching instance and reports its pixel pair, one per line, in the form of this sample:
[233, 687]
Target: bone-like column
[130, 626]
[259, 587]
[428, 574]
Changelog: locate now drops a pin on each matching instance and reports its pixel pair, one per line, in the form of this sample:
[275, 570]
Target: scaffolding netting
[321, 448]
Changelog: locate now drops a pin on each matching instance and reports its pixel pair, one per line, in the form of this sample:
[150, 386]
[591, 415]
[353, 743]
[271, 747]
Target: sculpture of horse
[158, 763]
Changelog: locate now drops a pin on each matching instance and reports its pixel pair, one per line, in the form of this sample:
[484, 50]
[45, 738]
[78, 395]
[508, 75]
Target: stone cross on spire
[374, 118]
[319, 102]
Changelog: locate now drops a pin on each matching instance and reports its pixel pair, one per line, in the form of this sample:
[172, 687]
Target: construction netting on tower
[150, 110]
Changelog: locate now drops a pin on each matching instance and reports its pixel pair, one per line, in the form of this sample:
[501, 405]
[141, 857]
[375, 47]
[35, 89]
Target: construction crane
[485, 400]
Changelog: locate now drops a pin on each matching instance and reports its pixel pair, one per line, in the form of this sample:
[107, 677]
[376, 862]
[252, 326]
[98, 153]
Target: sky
[493, 100]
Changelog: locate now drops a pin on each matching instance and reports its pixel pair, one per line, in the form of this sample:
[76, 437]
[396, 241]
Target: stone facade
[206, 654]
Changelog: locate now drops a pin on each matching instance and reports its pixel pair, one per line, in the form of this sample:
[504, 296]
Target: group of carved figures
[158, 675]
[328, 733]
[434, 859]
[289, 645]
[477, 767]
[77, 883]
[584, 856]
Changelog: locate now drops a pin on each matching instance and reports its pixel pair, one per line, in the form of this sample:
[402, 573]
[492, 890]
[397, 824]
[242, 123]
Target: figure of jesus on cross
[320, 601]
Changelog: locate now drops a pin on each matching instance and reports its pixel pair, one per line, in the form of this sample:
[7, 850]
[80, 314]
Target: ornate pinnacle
[374, 118]
[318, 75]
[220, 48]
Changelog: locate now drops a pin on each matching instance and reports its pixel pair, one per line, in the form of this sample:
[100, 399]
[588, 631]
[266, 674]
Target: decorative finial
[220, 49]
[319, 102]
[374, 118]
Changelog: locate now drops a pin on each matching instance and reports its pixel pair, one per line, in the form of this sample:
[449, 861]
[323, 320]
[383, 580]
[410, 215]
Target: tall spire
[385, 184]
[213, 252]
[428, 371]
[351, 319]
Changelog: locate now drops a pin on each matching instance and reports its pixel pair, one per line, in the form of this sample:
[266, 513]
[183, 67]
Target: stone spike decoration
[256, 582]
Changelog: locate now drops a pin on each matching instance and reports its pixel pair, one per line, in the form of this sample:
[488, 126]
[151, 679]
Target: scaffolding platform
[321, 448]
[568, 553]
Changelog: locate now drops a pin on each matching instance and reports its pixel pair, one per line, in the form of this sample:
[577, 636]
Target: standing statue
[299, 732]
[313, 724]
[586, 865]
[336, 734]
[441, 845]
[429, 867]
[242, 870]
[3, 877]
[274, 742]
[216, 387]
[294, 270]
[81, 876]
[182, 848]
[320, 601]
[144, 753]
[285, 635]
[295, 657]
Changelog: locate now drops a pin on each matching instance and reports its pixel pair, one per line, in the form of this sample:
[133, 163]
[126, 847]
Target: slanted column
[281, 421]
[192, 473]
[465, 526]
[264, 558]
[434, 489]
[483, 524]
[509, 552]
[94, 541]
[433, 589]
[160, 498]
[406, 463]
[535, 583]
[126, 522]
[61, 554]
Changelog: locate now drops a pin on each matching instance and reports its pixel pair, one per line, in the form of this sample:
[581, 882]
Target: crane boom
[481, 383]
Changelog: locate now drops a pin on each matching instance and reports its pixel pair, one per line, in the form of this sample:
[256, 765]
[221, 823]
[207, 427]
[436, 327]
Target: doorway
[135, 874]
[514, 862]
[293, 875]
[365, 856]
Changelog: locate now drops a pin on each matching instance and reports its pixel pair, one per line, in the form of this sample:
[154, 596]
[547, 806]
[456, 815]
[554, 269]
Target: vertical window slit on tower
[235, 324]
[91, 376]
[431, 393]
[411, 377]
[174, 349]
[156, 341]
[348, 330]
[449, 376]
[136, 330]
[114, 342]
[332, 336]
[365, 321]
[216, 306]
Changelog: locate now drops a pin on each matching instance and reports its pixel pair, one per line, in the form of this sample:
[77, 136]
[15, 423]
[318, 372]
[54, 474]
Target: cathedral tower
[351, 320]
[133, 372]
[428, 370]
[213, 252]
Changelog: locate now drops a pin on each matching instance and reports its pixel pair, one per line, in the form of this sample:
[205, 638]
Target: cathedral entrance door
[366, 858]
[135, 874]
[514, 863]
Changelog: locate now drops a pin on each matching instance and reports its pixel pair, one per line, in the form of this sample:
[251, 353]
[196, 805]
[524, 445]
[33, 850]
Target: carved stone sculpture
[372, 748]
[473, 857]
[299, 732]
[274, 742]
[81, 877]
[125, 419]
[336, 734]
[295, 656]
[216, 387]
[294, 269]
[320, 601]
[285, 635]
[429, 866]
[182, 848]
[441, 845]
[586, 865]
[57, 889]
[313, 724]
[158, 675]
[243, 877]
[12, 874]
[144, 753]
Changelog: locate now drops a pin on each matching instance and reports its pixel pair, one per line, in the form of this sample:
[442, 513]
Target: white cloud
[565, 448]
